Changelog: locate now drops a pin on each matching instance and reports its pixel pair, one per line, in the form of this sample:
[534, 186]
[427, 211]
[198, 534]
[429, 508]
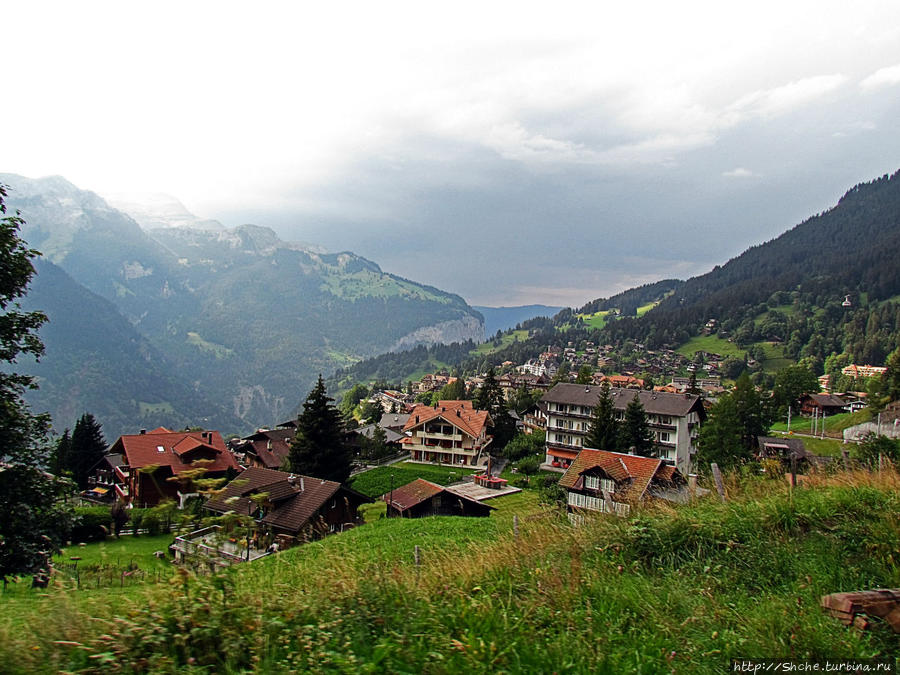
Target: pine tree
[730, 434]
[320, 448]
[635, 434]
[490, 397]
[603, 432]
[87, 449]
[59, 460]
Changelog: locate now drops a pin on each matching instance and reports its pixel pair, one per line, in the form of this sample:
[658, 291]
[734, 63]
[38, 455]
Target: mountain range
[185, 321]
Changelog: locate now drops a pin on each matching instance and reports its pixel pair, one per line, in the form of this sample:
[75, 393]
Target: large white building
[674, 420]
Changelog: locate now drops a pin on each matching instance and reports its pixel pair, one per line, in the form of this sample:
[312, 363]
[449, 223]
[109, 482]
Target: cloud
[883, 77]
[739, 172]
[769, 103]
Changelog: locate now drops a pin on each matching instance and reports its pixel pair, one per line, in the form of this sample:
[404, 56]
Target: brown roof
[618, 466]
[175, 449]
[460, 414]
[291, 499]
[418, 491]
[654, 402]
[272, 446]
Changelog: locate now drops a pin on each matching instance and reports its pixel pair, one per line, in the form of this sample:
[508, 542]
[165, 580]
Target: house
[535, 418]
[863, 371]
[102, 482]
[674, 420]
[821, 404]
[450, 432]
[422, 498]
[157, 465]
[510, 383]
[788, 451]
[267, 448]
[290, 505]
[610, 482]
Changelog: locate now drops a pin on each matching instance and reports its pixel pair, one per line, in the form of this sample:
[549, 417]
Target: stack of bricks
[859, 607]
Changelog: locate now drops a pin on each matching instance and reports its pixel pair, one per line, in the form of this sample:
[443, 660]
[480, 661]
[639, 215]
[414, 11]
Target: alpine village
[686, 473]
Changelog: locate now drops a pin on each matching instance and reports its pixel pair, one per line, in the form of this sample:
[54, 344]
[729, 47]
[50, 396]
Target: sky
[511, 152]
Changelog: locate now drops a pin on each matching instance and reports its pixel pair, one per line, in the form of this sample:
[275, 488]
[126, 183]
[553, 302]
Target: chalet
[450, 432]
[789, 452]
[290, 505]
[610, 482]
[674, 420]
[393, 421]
[267, 448]
[822, 404]
[510, 383]
[424, 498]
[157, 465]
[102, 482]
[535, 418]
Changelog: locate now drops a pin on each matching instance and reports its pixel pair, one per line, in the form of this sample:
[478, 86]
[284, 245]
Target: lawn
[834, 424]
[376, 482]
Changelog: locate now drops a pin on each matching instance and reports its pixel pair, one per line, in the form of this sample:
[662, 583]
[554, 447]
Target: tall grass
[671, 589]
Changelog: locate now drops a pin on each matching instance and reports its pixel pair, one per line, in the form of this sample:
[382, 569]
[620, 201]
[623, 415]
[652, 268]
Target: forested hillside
[827, 291]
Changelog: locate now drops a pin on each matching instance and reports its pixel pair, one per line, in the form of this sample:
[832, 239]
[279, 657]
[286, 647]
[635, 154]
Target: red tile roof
[460, 414]
[175, 449]
[618, 466]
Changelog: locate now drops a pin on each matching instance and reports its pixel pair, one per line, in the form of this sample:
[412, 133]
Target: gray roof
[654, 402]
[396, 420]
[390, 435]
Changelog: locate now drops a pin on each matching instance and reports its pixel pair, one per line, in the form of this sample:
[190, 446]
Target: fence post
[515, 526]
[717, 476]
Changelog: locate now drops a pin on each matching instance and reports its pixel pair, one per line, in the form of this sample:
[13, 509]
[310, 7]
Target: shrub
[529, 466]
[152, 523]
[92, 523]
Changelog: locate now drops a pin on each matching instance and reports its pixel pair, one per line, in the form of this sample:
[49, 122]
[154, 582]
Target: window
[592, 482]
[607, 485]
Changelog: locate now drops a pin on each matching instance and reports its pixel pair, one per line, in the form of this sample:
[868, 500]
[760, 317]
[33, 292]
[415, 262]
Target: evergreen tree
[87, 449]
[585, 375]
[729, 436]
[891, 377]
[790, 384]
[34, 520]
[603, 432]
[490, 397]
[59, 460]
[320, 448]
[635, 435]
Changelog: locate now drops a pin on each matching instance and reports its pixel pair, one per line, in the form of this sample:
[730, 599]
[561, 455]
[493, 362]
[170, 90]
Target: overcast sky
[509, 152]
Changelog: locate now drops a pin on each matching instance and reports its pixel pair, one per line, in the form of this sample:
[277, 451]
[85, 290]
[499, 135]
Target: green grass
[668, 590]
[597, 320]
[712, 344]
[643, 309]
[376, 482]
[155, 408]
[219, 351]
[505, 341]
[834, 424]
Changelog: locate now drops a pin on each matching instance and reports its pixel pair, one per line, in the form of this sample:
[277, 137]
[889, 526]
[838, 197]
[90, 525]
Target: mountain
[814, 288]
[504, 318]
[245, 320]
[95, 361]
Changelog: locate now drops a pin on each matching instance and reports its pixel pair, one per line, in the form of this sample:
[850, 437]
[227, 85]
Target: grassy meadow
[667, 590]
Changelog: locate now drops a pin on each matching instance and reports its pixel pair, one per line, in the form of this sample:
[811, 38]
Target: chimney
[302, 487]
[143, 431]
[458, 413]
